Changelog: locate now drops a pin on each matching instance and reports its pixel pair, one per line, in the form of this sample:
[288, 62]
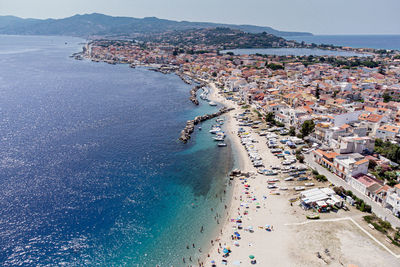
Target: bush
[385, 224]
[368, 218]
[368, 208]
[321, 178]
[300, 158]
[315, 172]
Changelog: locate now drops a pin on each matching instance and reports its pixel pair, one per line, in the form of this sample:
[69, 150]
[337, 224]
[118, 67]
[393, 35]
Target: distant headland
[96, 25]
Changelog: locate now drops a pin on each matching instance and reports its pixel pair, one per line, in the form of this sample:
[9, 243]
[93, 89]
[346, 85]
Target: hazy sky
[316, 16]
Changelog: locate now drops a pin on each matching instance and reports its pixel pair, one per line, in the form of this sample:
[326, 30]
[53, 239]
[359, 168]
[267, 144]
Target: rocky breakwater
[189, 129]
[193, 93]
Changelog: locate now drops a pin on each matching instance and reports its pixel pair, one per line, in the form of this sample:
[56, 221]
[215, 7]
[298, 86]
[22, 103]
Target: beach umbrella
[237, 234]
[225, 250]
[236, 243]
[251, 256]
[213, 261]
[237, 263]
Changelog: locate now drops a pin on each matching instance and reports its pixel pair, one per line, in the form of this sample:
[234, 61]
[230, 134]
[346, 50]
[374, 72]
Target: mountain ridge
[96, 24]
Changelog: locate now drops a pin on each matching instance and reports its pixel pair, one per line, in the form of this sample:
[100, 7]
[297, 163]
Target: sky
[316, 16]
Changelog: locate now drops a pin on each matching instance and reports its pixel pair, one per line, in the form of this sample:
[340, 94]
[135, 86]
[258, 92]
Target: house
[365, 184]
[387, 131]
[354, 144]
[348, 165]
[324, 158]
[393, 200]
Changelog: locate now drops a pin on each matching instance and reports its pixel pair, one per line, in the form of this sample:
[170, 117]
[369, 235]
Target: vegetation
[274, 66]
[360, 204]
[387, 149]
[385, 228]
[307, 127]
[385, 172]
[317, 93]
[270, 118]
[292, 131]
[386, 97]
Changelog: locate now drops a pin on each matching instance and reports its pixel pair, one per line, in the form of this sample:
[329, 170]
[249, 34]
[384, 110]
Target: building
[393, 200]
[348, 165]
[386, 132]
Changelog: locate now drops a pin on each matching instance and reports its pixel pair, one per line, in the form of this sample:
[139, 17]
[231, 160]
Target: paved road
[376, 208]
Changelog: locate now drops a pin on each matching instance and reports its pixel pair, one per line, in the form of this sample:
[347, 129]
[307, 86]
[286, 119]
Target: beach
[272, 229]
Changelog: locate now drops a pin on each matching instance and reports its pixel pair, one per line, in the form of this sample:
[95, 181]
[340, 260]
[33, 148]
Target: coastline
[289, 243]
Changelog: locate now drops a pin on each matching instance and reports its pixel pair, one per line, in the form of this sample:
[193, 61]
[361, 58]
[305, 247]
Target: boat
[270, 181]
[274, 192]
[309, 184]
[272, 186]
[289, 178]
[312, 216]
[211, 103]
[199, 128]
[218, 138]
[283, 188]
[299, 188]
[221, 144]
[215, 130]
[304, 178]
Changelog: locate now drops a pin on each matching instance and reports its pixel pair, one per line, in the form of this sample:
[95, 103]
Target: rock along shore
[188, 130]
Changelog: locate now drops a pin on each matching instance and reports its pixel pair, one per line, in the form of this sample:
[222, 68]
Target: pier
[189, 129]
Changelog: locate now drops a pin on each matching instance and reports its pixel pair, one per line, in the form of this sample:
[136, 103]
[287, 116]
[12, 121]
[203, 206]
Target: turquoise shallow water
[91, 171]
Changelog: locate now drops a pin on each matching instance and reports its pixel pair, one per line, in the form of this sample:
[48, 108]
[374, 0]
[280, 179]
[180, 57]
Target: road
[376, 208]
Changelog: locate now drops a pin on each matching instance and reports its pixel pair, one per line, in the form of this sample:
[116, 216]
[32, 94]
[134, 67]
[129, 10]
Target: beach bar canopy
[316, 197]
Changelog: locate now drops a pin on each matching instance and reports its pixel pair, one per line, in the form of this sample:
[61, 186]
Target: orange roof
[329, 155]
[370, 117]
[397, 186]
[361, 161]
[344, 126]
[370, 109]
[389, 128]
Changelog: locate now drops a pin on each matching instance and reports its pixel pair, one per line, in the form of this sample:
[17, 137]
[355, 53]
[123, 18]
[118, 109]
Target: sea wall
[189, 129]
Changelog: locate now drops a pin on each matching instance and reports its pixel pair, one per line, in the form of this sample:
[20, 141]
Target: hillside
[102, 25]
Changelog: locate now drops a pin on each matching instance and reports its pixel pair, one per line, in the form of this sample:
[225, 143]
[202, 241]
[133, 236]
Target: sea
[91, 169]
[355, 41]
[389, 42]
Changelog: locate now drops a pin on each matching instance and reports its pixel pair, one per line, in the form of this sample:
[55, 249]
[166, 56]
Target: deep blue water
[91, 171]
[356, 41]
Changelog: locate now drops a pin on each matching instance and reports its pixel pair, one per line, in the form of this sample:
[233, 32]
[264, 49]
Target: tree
[386, 97]
[307, 127]
[269, 117]
[300, 158]
[317, 92]
[292, 131]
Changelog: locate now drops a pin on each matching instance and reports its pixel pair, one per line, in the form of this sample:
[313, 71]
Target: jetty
[193, 93]
[189, 128]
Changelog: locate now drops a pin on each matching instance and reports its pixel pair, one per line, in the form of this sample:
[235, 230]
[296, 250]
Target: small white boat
[215, 130]
[272, 181]
[283, 188]
[272, 186]
[212, 103]
[289, 179]
[221, 144]
[199, 128]
[309, 184]
[299, 188]
[219, 138]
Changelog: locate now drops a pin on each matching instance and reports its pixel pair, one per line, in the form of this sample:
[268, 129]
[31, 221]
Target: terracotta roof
[370, 117]
[361, 161]
[389, 128]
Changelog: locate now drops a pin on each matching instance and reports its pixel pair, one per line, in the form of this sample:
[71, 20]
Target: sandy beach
[288, 243]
